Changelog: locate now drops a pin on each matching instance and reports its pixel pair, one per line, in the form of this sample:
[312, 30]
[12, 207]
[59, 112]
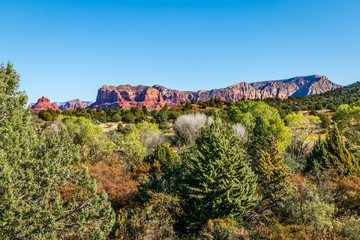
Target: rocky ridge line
[155, 97]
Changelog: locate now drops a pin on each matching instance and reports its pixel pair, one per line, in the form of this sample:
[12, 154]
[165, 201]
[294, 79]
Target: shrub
[240, 132]
[220, 229]
[187, 127]
[162, 155]
[153, 221]
[348, 228]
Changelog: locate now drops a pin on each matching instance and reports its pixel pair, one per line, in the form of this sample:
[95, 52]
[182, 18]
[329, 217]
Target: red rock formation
[72, 105]
[43, 104]
[126, 96]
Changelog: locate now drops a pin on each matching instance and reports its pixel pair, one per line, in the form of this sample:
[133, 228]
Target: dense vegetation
[207, 170]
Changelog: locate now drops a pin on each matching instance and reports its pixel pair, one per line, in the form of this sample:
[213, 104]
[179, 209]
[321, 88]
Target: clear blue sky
[68, 49]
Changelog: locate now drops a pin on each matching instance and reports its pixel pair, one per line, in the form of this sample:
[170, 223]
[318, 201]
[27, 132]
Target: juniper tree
[45, 193]
[274, 175]
[259, 141]
[332, 153]
[162, 155]
[338, 156]
[218, 182]
[315, 162]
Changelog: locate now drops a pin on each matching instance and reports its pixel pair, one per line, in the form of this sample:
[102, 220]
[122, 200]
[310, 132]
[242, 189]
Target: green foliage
[45, 193]
[273, 175]
[154, 221]
[218, 182]
[164, 156]
[246, 112]
[275, 230]
[338, 155]
[187, 106]
[332, 153]
[348, 228]
[11, 99]
[295, 163]
[302, 130]
[140, 139]
[128, 117]
[306, 206]
[325, 120]
[220, 229]
[259, 141]
[48, 115]
[328, 100]
[93, 142]
[347, 118]
[132, 146]
[316, 161]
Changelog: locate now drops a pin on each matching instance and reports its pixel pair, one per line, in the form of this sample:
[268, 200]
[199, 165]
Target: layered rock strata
[43, 104]
[155, 97]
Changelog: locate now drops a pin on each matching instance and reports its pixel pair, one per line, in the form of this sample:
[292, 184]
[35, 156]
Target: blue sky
[68, 49]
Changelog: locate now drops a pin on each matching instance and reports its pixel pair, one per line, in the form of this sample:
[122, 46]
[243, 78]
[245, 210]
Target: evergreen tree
[338, 156]
[218, 183]
[315, 162]
[273, 174]
[187, 106]
[166, 108]
[45, 193]
[332, 153]
[162, 155]
[260, 140]
[145, 111]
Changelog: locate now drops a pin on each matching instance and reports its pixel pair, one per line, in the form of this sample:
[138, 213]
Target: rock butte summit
[43, 104]
[155, 97]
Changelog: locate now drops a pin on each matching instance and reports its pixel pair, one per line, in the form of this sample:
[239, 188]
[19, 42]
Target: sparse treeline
[209, 170]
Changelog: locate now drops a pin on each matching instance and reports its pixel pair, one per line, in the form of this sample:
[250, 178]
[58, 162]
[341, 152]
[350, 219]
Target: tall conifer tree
[332, 153]
[338, 156]
[219, 183]
[260, 140]
[315, 162]
[274, 175]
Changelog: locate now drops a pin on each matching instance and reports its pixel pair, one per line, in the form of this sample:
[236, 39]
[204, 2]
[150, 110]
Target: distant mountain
[73, 104]
[155, 97]
[43, 103]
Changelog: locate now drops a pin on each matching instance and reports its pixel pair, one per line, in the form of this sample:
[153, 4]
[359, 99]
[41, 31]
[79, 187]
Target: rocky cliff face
[43, 104]
[73, 105]
[155, 97]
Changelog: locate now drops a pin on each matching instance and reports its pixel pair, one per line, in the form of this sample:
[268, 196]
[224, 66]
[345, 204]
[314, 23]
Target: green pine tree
[45, 193]
[218, 183]
[273, 175]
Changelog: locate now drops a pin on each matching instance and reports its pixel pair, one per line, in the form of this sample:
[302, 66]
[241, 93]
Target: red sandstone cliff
[43, 104]
[126, 96]
[72, 105]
